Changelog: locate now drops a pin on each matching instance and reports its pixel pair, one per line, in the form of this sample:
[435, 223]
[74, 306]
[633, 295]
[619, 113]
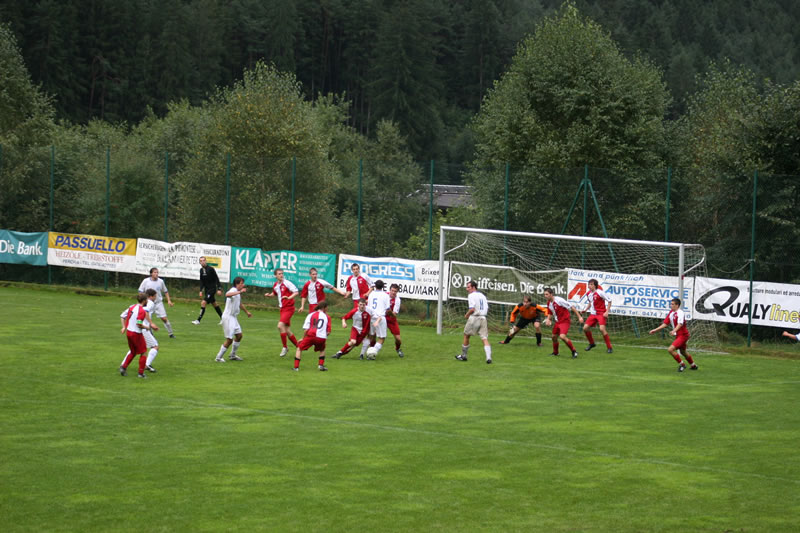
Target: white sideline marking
[443, 434]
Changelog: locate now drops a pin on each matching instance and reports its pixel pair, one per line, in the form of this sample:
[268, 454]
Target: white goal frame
[681, 249]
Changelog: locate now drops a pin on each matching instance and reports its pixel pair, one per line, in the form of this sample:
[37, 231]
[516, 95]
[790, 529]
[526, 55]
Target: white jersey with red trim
[597, 301]
[283, 289]
[314, 291]
[394, 305]
[677, 317]
[359, 285]
[360, 319]
[134, 316]
[560, 308]
[317, 324]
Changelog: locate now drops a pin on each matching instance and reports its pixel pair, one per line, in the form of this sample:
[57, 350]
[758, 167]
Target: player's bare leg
[569, 344]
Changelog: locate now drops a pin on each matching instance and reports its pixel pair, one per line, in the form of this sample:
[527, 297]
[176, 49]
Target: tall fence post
[430, 235]
[585, 211]
[294, 181]
[52, 199]
[166, 195]
[752, 259]
[108, 205]
[227, 199]
[360, 192]
[666, 215]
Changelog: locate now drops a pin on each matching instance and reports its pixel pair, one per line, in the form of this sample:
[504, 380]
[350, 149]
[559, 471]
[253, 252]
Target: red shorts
[136, 343]
[286, 315]
[355, 304]
[596, 319]
[561, 327]
[307, 342]
[680, 342]
[311, 307]
[394, 327]
[355, 335]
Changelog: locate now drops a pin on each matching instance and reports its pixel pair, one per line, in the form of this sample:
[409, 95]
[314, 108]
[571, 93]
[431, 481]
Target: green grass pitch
[616, 442]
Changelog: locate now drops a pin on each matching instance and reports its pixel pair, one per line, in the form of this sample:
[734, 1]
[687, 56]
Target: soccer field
[616, 442]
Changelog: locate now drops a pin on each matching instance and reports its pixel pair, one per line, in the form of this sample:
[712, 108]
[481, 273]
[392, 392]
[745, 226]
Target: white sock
[378, 346]
[168, 326]
[488, 350]
[152, 355]
[222, 351]
[123, 359]
[365, 346]
[464, 350]
[235, 347]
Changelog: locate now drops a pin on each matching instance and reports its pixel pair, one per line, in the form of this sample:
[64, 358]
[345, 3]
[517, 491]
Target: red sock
[555, 347]
[569, 345]
[397, 344]
[293, 339]
[142, 362]
[296, 362]
[321, 361]
[608, 341]
[346, 348]
[589, 336]
[689, 358]
[677, 357]
[283, 339]
[128, 359]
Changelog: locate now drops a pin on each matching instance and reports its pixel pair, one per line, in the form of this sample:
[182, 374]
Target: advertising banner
[418, 280]
[633, 294]
[505, 285]
[724, 300]
[26, 248]
[257, 266]
[91, 251]
[181, 259]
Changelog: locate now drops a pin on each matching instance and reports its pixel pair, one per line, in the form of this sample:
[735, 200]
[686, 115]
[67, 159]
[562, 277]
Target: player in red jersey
[677, 319]
[359, 331]
[358, 285]
[285, 291]
[314, 291]
[391, 317]
[560, 309]
[318, 327]
[137, 320]
[598, 305]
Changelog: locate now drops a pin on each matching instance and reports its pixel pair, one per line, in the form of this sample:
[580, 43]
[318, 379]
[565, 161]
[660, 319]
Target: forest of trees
[628, 87]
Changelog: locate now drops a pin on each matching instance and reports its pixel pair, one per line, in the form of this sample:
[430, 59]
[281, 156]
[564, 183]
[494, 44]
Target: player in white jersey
[230, 321]
[792, 335]
[158, 285]
[476, 322]
[149, 338]
[378, 303]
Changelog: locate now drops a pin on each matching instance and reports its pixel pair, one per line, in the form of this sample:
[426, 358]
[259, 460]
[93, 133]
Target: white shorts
[230, 326]
[149, 338]
[476, 325]
[380, 330]
[159, 310]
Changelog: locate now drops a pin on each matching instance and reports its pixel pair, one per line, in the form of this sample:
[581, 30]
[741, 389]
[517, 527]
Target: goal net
[641, 277]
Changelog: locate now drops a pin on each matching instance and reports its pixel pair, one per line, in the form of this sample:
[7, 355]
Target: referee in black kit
[210, 287]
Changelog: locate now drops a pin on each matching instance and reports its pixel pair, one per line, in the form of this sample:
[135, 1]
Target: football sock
[296, 362]
[142, 362]
[235, 347]
[488, 350]
[293, 339]
[464, 350]
[677, 357]
[125, 358]
[283, 339]
[569, 345]
[397, 344]
[222, 351]
[151, 356]
[202, 312]
[365, 346]
[378, 346]
[608, 341]
[168, 326]
[689, 358]
[555, 346]
[218, 310]
[128, 359]
[589, 336]
[322, 360]
[346, 348]
[507, 340]
[538, 338]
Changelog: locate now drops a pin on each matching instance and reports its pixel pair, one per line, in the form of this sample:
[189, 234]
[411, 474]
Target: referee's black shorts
[209, 295]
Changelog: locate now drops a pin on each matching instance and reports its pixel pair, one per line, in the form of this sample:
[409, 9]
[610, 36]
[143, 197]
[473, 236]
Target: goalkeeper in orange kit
[522, 315]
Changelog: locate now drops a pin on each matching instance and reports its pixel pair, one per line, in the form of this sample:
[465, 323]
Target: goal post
[640, 276]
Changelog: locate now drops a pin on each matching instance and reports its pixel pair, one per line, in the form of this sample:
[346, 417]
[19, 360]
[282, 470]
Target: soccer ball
[372, 352]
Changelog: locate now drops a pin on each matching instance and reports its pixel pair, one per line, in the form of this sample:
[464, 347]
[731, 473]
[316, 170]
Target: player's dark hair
[394, 286]
[379, 284]
[472, 284]
[151, 270]
[277, 270]
[141, 297]
[322, 305]
[526, 298]
[354, 265]
[596, 284]
[362, 301]
[237, 279]
[150, 292]
[676, 301]
[550, 290]
[312, 269]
